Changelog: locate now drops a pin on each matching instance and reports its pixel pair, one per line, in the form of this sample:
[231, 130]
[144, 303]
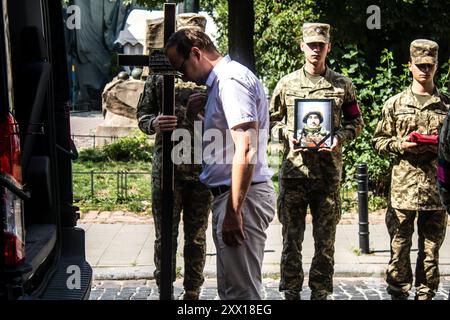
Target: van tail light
[11, 206]
[13, 229]
[10, 149]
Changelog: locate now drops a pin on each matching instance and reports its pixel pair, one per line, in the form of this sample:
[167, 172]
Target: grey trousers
[239, 275]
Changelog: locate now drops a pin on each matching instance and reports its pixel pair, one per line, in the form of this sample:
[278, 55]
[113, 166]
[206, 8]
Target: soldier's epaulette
[286, 80]
[338, 80]
[396, 99]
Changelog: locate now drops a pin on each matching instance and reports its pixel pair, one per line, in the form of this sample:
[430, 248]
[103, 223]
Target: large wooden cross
[159, 64]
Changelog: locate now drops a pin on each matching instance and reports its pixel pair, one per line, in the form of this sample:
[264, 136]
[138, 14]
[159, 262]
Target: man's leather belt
[217, 191]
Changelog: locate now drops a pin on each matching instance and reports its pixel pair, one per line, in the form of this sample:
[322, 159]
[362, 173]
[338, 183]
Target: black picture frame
[313, 110]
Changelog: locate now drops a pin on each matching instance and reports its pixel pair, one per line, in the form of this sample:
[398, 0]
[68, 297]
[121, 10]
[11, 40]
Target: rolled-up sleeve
[239, 101]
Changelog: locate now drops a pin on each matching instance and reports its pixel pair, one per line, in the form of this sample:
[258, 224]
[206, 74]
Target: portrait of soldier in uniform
[312, 131]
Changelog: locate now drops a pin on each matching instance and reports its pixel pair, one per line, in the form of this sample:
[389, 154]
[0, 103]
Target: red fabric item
[351, 111]
[423, 138]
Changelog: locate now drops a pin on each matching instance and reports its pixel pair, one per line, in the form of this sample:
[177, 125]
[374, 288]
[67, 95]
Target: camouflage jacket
[413, 182]
[347, 122]
[443, 172]
[150, 106]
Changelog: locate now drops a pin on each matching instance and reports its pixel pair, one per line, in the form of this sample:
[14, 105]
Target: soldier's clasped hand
[415, 148]
[409, 146]
[293, 143]
[333, 147]
[164, 123]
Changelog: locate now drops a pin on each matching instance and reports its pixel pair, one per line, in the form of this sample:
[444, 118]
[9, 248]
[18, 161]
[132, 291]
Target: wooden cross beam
[156, 61]
[166, 281]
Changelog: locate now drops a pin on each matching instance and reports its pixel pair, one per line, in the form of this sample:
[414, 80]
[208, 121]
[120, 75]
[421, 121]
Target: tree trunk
[241, 22]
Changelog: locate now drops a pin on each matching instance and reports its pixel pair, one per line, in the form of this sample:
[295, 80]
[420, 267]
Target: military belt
[217, 191]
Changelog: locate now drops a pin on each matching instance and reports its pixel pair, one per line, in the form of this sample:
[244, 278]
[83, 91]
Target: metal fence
[83, 141]
[122, 187]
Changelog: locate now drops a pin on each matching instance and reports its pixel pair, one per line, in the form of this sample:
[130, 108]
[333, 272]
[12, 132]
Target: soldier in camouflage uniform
[312, 178]
[190, 195]
[421, 109]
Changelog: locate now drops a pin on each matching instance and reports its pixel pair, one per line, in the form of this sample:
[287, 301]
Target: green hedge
[133, 148]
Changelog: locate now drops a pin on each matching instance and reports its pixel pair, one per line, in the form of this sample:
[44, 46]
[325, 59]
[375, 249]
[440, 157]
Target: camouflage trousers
[324, 202]
[193, 199]
[431, 227]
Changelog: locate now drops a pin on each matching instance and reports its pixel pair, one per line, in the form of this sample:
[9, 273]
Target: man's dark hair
[186, 38]
[318, 113]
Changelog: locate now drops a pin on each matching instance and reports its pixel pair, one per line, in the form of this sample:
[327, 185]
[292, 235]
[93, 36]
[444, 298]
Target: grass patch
[357, 251]
[110, 186]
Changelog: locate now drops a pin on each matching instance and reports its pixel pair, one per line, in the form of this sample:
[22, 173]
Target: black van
[43, 250]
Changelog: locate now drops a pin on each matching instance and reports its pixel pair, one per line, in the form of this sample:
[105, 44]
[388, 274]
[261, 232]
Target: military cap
[424, 51]
[318, 113]
[316, 32]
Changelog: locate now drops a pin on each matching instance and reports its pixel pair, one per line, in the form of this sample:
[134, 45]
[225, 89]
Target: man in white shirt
[237, 174]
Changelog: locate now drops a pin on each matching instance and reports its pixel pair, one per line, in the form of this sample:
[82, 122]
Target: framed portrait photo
[313, 123]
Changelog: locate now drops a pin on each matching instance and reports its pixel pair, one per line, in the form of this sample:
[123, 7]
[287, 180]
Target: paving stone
[345, 289]
[108, 297]
[139, 298]
[95, 295]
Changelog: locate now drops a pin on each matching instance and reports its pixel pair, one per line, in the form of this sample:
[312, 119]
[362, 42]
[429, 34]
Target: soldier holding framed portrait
[310, 177]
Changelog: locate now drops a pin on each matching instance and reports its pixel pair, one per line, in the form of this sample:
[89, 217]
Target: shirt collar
[435, 97]
[221, 65]
[323, 83]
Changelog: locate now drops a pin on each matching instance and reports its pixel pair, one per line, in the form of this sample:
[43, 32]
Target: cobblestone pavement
[344, 289]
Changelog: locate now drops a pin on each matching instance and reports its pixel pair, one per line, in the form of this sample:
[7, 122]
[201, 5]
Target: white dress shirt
[235, 96]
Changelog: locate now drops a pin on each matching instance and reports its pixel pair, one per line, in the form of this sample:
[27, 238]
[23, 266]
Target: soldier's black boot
[191, 295]
[319, 295]
[423, 296]
[399, 296]
[292, 295]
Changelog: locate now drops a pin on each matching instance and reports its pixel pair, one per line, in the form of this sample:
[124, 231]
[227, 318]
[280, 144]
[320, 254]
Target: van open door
[43, 250]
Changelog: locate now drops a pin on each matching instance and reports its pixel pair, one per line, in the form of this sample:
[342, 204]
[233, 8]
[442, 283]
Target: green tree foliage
[401, 22]
[218, 9]
[277, 36]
